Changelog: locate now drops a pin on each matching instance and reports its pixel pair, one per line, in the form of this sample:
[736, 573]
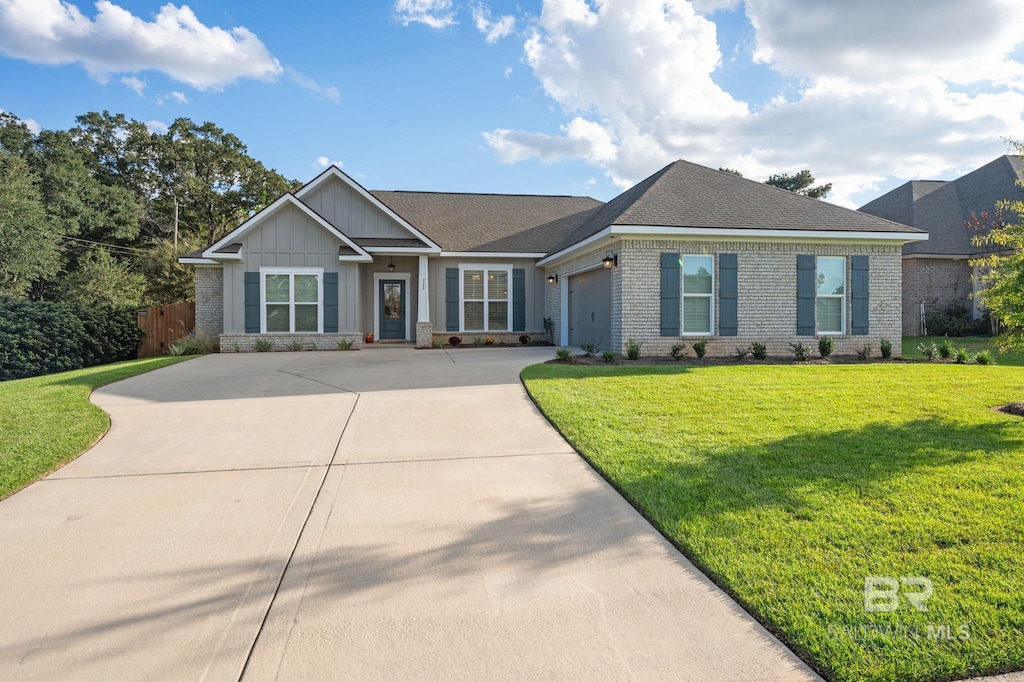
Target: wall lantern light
[552, 278]
[391, 265]
[610, 259]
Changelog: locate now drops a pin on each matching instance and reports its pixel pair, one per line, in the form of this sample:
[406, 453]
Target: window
[485, 298]
[292, 300]
[698, 292]
[831, 295]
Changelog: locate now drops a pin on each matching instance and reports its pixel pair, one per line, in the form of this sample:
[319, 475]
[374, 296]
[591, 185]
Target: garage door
[590, 308]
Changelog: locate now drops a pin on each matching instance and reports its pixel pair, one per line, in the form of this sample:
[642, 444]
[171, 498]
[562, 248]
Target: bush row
[42, 337]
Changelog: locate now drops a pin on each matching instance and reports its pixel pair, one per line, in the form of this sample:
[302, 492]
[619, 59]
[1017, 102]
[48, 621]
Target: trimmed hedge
[41, 337]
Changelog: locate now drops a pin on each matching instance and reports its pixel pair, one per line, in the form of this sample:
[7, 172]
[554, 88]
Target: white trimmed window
[830, 303]
[485, 304]
[698, 281]
[291, 300]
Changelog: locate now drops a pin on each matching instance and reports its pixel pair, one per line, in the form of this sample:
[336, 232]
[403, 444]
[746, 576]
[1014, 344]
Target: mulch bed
[1016, 409]
[691, 361]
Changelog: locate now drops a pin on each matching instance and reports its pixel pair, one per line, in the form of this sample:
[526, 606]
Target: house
[937, 272]
[689, 253]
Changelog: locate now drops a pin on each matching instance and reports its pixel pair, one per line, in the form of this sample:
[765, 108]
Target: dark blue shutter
[252, 303]
[728, 295]
[859, 295]
[806, 290]
[330, 303]
[451, 299]
[670, 294]
[518, 300]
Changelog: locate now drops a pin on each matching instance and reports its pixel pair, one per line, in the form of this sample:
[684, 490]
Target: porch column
[424, 328]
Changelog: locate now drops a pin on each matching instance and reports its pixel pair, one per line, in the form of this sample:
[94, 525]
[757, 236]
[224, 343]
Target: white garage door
[590, 308]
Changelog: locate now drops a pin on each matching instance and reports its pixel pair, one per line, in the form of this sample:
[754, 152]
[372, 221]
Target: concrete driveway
[386, 514]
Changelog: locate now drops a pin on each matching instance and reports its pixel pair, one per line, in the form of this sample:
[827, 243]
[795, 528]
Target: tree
[799, 183]
[168, 280]
[1002, 268]
[102, 278]
[29, 245]
[732, 171]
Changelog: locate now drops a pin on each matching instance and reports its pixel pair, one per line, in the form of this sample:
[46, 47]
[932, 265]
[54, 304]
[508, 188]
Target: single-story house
[937, 272]
[689, 253]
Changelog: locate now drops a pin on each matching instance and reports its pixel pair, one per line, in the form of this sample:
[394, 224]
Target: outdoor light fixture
[391, 265]
[552, 278]
[610, 259]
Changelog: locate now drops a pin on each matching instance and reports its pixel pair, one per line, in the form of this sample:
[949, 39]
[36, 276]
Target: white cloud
[437, 14]
[175, 95]
[329, 92]
[135, 84]
[175, 42]
[882, 89]
[158, 127]
[493, 31]
[508, 72]
[323, 162]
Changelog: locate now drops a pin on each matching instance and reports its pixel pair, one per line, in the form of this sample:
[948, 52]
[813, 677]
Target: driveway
[386, 514]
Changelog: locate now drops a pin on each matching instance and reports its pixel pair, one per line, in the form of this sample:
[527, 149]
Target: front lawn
[47, 421]
[974, 344]
[790, 485]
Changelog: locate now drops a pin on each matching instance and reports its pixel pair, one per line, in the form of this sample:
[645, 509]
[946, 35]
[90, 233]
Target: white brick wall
[209, 301]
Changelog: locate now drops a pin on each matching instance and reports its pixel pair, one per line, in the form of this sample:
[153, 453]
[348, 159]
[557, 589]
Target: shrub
[677, 350]
[563, 354]
[759, 351]
[961, 356]
[454, 341]
[524, 339]
[700, 348]
[885, 346]
[191, 345]
[930, 351]
[589, 348]
[826, 345]
[42, 337]
[864, 353]
[946, 349]
[801, 352]
[477, 341]
[343, 344]
[438, 343]
[956, 319]
[608, 356]
[489, 341]
[264, 345]
[296, 346]
[984, 358]
[633, 349]
[741, 353]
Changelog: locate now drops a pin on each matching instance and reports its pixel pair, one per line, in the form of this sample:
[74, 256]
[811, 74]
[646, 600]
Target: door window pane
[277, 288]
[306, 289]
[306, 318]
[830, 314]
[474, 315]
[277, 318]
[831, 276]
[392, 301]
[473, 285]
[697, 314]
[497, 316]
[697, 274]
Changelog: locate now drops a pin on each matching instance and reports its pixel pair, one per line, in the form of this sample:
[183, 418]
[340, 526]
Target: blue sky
[547, 96]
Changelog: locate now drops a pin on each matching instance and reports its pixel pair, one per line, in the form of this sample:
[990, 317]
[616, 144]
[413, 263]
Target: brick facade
[767, 294]
[209, 301]
[936, 282]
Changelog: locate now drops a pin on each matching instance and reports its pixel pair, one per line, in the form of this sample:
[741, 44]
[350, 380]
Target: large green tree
[30, 247]
[800, 183]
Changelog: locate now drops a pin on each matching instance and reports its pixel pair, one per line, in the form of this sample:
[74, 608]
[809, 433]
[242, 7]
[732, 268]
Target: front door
[392, 309]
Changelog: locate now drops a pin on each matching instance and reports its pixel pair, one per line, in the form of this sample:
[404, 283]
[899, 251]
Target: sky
[582, 97]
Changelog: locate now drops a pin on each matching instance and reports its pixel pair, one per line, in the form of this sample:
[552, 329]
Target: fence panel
[162, 325]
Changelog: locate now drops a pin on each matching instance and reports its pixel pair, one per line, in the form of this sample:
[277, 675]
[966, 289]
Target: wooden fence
[162, 325]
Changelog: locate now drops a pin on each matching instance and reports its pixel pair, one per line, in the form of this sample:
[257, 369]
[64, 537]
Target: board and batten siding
[356, 217]
[534, 285]
[290, 238]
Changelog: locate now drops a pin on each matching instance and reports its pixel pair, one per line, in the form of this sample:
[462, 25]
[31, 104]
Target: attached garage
[590, 308]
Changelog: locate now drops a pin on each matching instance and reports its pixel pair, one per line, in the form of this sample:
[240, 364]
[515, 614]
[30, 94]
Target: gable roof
[942, 208]
[688, 195]
[507, 223]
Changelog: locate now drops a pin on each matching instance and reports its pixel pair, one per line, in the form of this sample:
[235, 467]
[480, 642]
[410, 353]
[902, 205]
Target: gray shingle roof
[942, 208]
[513, 223]
[685, 194]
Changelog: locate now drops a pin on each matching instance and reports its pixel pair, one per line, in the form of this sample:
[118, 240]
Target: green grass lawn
[47, 421]
[789, 485]
[971, 343]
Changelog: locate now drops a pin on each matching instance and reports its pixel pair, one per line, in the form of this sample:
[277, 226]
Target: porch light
[391, 264]
[610, 259]
[552, 278]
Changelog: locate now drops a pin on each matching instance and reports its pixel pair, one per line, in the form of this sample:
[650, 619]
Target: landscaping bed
[790, 485]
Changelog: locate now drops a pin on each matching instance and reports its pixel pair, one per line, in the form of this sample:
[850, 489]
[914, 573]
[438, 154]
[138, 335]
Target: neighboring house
[689, 253]
[937, 272]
